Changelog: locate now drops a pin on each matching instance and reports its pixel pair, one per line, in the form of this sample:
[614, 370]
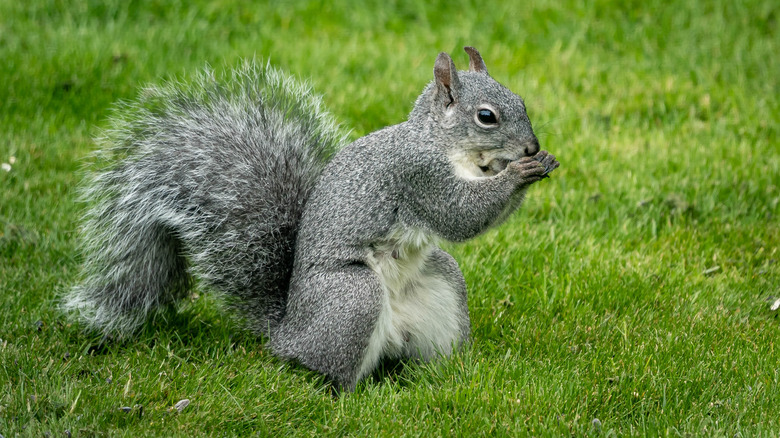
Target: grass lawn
[630, 295]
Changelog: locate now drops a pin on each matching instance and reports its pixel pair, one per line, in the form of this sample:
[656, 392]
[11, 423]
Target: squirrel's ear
[475, 60]
[446, 76]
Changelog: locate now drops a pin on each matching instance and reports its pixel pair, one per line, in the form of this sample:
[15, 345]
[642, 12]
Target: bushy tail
[207, 178]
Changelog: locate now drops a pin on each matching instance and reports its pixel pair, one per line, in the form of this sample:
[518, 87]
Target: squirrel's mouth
[478, 164]
[494, 166]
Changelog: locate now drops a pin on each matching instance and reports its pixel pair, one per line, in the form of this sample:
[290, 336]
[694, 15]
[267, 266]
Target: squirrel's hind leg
[332, 322]
[434, 313]
[443, 265]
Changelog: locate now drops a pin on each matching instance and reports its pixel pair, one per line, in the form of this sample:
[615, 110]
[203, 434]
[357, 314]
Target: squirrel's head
[480, 124]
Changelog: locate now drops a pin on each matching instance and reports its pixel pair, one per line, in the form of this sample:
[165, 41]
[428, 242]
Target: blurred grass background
[629, 296]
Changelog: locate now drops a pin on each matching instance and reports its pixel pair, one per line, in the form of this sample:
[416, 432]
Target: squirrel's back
[209, 179]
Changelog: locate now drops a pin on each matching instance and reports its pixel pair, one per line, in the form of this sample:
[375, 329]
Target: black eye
[486, 117]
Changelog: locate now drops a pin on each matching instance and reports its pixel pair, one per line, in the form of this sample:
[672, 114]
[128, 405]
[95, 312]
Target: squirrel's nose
[532, 147]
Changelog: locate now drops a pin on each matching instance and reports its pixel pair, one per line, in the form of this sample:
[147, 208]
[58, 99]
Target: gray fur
[334, 261]
[208, 179]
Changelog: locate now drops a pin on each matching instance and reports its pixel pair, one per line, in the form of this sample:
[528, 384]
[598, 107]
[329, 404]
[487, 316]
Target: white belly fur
[419, 318]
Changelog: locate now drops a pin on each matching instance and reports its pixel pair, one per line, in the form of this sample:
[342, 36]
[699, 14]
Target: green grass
[592, 302]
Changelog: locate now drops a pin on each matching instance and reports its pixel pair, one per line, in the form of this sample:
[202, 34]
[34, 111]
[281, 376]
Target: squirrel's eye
[486, 117]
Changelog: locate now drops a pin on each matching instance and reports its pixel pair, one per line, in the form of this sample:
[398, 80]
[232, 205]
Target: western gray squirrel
[328, 250]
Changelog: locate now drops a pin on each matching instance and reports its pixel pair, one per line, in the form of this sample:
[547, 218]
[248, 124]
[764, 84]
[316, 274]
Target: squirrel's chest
[420, 316]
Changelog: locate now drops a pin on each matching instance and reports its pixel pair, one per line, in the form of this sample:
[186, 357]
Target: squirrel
[327, 250]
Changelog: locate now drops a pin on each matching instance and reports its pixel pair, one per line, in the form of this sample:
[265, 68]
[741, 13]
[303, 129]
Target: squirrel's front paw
[532, 169]
[528, 169]
[548, 161]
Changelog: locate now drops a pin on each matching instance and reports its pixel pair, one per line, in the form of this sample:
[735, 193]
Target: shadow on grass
[189, 326]
[201, 332]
